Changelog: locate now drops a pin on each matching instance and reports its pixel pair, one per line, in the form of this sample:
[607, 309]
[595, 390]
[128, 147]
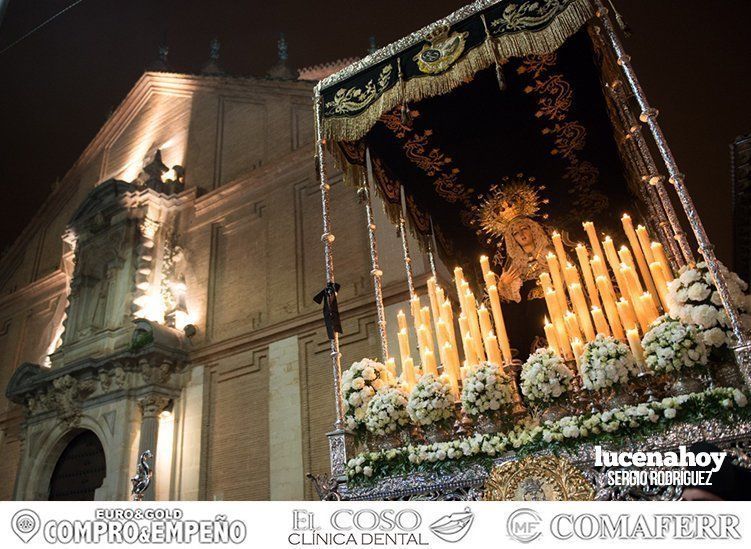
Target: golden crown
[514, 198]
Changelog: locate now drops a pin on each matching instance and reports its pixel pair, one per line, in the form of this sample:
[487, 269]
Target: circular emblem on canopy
[442, 50]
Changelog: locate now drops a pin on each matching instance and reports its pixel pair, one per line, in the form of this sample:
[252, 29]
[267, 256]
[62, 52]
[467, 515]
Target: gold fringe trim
[549, 39]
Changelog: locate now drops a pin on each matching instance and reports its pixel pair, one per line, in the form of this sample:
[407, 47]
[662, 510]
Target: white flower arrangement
[671, 345]
[359, 383]
[486, 389]
[431, 400]
[569, 429]
[693, 299]
[605, 362]
[545, 376]
[387, 411]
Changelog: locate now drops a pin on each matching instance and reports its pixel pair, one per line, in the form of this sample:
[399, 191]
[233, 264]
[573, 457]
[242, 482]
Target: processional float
[566, 304]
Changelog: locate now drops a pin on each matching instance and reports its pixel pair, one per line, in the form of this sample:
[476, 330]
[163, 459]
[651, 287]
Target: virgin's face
[523, 236]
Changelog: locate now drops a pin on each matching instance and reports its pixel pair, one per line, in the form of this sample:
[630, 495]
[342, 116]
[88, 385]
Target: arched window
[80, 470]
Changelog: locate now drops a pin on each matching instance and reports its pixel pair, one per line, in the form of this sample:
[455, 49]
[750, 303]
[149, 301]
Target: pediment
[23, 380]
[100, 199]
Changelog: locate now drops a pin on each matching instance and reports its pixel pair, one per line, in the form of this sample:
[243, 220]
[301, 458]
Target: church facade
[161, 300]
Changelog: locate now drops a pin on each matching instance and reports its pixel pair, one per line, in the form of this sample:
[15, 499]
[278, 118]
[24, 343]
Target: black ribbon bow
[330, 308]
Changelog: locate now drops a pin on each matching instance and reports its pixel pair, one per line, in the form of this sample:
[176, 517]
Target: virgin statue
[507, 216]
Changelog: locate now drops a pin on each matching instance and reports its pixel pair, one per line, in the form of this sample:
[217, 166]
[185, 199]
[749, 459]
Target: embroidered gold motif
[355, 99]
[442, 51]
[538, 478]
[529, 15]
[554, 101]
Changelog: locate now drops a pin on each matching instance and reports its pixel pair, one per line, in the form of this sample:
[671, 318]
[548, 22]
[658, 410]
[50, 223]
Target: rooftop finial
[282, 47]
[372, 47]
[212, 67]
[214, 46]
[160, 63]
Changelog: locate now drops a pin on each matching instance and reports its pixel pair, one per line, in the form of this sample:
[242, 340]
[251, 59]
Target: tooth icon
[453, 527]
[25, 524]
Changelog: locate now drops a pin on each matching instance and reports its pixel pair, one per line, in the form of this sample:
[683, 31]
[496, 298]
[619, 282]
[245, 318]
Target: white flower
[485, 390]
[359, 383]
[431, 400]
[545, 376]
[669, 413]
[387, 411]
[605, 362]
[670, 346]
[698, 291]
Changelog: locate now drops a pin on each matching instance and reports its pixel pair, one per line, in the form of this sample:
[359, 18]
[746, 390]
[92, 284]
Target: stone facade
[162, 298]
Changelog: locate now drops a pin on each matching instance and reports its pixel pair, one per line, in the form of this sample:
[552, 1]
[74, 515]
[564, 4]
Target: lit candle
[614, 261]
[659, 255]
[558, 246]
[459, 281]
[555, 274]
[564, 342]
[426, 322]
[469, 350]
[447, 314]
[486, 326]
[572, 326]
[500, 325]
[391, 366]
[649, 307]
[658, 275]
[485, 265]
[545, 281]
[589, 280]
[491, 348]
[408, 371]
[643, 257]
[432, 286]
[551, 336]
[464, 326]
[582, 311]
[626, 314]
[632, 290]
[624, 254]
[643, 237]
[401, 319]
[553, 308]
[632, 336]
[601, 325]
[474, 324]
[594, 242]
[611, 310]
[414, 309]
[429, 365]
[449, 371]
[570, 274]
[404, 350]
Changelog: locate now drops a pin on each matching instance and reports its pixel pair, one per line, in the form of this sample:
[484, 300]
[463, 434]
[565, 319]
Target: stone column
[151, 406]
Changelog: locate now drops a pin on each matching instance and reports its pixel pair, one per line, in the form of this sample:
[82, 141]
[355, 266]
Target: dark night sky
[57, 87]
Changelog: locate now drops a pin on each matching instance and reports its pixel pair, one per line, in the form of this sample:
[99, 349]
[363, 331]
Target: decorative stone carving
[154, 374]
[152, 405]
[64, 396]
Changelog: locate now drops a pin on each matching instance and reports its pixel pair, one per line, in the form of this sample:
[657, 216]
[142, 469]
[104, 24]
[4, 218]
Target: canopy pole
[376, 272]
[649, 117]
[340, 440]
[405, 246]
[675, 236]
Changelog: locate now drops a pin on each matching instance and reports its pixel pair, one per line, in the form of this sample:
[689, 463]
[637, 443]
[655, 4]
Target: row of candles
[478, 327]
[641, 273]
[624, 311]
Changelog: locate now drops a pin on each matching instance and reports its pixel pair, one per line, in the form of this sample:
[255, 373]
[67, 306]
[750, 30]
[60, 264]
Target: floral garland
[605, 362]
[359, 383]
[545, 376]
[387, 411]
[670, 346]
[723, 403]
[431, 400]
[486, 389]
[693, 299]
